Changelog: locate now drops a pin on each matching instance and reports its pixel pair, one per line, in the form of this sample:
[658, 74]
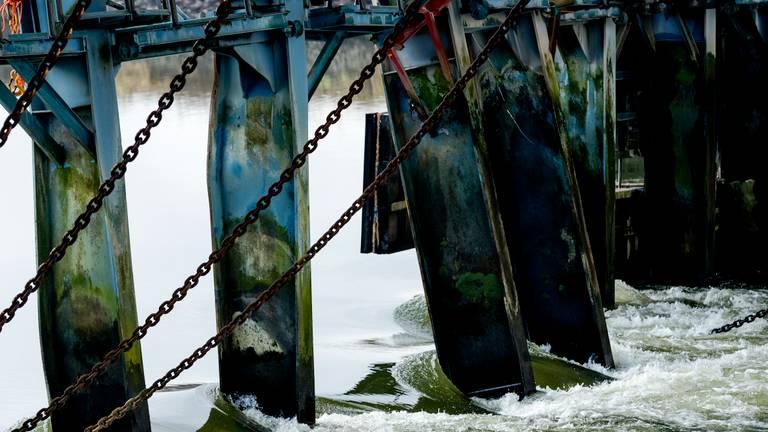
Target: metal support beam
[677, 141]
[87, 302]
[324, 59]
[538, 195]
[34, 128]
[479, 336]
[742, 126]
[35, 46]
[58, 107]
[258, 123]
[586, 61]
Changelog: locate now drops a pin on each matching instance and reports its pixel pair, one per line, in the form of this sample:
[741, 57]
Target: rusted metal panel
[87, 303]
[386, 228]
[538, 195]
[474, 310]
[258, 120]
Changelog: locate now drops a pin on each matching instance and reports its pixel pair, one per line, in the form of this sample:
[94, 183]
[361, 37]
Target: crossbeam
[34, 128]
[58, 107]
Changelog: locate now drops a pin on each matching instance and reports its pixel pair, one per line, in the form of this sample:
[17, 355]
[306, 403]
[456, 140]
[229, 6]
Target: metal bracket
[428, 11]
[295, 28]
[59, 108]
[32, 126]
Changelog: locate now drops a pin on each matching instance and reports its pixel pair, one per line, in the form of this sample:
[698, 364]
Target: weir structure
[597, 141]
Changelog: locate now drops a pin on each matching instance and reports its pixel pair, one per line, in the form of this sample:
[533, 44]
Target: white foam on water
[671, 375]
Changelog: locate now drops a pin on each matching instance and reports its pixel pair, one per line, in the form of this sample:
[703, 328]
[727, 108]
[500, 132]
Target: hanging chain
[83, 381]
[740, 322]
[189, 65]
[428, 125]
[34, 84]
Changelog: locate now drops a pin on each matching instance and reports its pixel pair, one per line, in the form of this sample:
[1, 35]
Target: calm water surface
[671, 374]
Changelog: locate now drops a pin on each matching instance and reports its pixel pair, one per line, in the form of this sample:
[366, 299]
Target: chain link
[227, 330]
[50, 59]
[740, 322]
[118, 171]
[83, 381]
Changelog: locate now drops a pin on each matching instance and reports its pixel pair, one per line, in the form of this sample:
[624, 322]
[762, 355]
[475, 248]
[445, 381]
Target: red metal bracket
[429, 11]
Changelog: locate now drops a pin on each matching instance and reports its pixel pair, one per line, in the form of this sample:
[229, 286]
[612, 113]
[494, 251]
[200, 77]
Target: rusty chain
[37, 81]
[740, 322]
[84, 380]
[428, 125]
[200, 48]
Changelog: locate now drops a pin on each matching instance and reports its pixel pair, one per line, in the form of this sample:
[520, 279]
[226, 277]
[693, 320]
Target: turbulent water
[671, 376]
[375, 365]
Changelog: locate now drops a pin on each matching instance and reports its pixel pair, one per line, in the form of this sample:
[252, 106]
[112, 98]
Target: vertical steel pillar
[586, 65]
[678, 142]
[743, 132]
[473, 305]
[87, 303]
[538, 194]
[258, 123]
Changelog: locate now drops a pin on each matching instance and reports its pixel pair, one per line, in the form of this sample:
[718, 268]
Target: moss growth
[480, 288]
[430, 84]
[258, 130]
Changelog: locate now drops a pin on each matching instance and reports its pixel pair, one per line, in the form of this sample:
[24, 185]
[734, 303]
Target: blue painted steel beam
[324, 59]
[37, 45]
[586, 67]
[350, 18]
[34, 128]
[58, 107]
[258, 122]
[159, 39]
[87, 303]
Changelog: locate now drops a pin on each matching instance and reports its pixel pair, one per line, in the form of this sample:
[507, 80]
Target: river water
[374, 364]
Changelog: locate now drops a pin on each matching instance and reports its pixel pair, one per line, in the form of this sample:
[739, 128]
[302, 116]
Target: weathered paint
[538, 197]
[480, 349]
[87, 303]
[256, 128]
[585, 63]
[55, 103]
[676, 133]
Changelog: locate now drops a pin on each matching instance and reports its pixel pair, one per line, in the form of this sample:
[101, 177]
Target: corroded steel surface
[87, 301]
[553, 268]
[251, 140]
[585, 64]
[481, 348]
